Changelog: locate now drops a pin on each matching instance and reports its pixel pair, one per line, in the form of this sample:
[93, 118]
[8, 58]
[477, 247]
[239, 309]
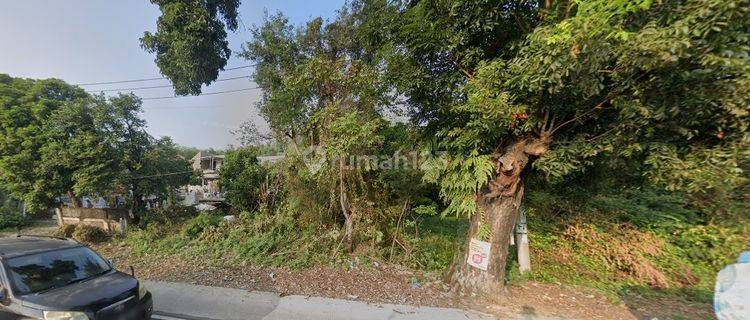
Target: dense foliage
[242, 178]
[615, 79]
[36, 156]
[513, 90]
[190, 42]
[629, 241]
[409, 127]
[58, 140]
[13, 220]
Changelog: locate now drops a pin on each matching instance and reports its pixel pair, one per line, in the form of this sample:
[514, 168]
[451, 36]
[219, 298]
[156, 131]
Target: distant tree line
[59, 140]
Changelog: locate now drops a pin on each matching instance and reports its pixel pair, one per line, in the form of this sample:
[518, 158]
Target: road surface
[174, 301]
[179, 301]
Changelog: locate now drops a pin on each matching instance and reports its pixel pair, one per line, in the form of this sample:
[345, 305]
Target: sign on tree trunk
[479, 254]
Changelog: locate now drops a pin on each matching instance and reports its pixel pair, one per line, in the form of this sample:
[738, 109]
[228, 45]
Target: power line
[120, 81]
[202, 94]
[162, 174]
[191, 107]
[240, 67]
[164, 86]
[147, 79]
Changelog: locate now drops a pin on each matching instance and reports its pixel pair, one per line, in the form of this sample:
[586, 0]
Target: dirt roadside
[394, 284]
[378, 283]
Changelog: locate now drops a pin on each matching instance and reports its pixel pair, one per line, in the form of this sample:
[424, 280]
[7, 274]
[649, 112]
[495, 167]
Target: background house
[209, 189]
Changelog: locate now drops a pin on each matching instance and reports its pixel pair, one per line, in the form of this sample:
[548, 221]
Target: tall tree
[50, 144]
[56, 139]
[190, 42]
[76, 151]
[127, 132]
[551, 88]
[146, 166]
[321, 90]
[161, 171]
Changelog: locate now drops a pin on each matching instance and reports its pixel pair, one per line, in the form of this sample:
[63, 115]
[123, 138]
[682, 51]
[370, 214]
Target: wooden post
[522, 243]
[123, 226]
[58, 213]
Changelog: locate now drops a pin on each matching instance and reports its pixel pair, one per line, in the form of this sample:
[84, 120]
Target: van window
[54, 269]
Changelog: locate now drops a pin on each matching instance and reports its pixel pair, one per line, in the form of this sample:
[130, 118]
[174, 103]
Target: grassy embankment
[631, 242]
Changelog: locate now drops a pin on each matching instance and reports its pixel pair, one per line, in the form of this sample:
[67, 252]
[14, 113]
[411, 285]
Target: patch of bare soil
[668, 308]
[534, 298]
[371, 283]
[394, 284]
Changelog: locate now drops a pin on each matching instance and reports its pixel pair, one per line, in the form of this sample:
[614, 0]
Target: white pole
[522, 243]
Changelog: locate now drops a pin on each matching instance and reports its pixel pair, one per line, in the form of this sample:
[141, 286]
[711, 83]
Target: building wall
[111, 220]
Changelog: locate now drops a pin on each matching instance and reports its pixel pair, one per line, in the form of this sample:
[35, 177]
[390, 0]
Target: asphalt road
[178, 301]
[174, 301]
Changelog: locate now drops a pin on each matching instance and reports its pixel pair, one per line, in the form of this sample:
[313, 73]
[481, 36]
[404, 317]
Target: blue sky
[83, 41]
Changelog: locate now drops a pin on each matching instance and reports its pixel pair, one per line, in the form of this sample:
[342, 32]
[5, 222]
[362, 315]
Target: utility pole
[522, 243]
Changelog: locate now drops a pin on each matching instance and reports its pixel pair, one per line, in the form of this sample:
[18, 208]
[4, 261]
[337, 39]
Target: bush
[11, 220]
[82, 233]
[89, 234]
[242, 177]
[195, 226]
[161, 216]
[65, 231]
[630, 240]
[278, 239]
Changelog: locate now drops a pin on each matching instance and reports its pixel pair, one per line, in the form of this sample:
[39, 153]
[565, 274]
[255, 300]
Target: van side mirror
[111, 262]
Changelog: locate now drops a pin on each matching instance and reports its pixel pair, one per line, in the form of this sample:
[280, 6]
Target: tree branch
[600, 105]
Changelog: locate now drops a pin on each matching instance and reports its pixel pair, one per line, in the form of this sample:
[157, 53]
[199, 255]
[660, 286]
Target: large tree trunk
[500, 215]
[499, 205]
[135, 206]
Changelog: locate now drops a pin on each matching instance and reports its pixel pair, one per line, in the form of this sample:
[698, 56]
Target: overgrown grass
[437, 241]
[279, 239]
[641, 242]
[261, 239]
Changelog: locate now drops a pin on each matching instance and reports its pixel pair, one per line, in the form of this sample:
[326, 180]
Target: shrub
[242, 177]
[278, 239]
[195, 226]
[172, 215]
[630, 240]
[65, 231]
[11, 220]
[89, 234]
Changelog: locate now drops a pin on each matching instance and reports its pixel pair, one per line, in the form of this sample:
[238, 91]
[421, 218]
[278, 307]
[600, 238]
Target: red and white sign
[479, 254]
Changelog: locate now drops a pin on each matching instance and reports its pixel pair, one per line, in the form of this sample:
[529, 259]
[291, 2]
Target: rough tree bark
[135, 206]
[500, 202]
